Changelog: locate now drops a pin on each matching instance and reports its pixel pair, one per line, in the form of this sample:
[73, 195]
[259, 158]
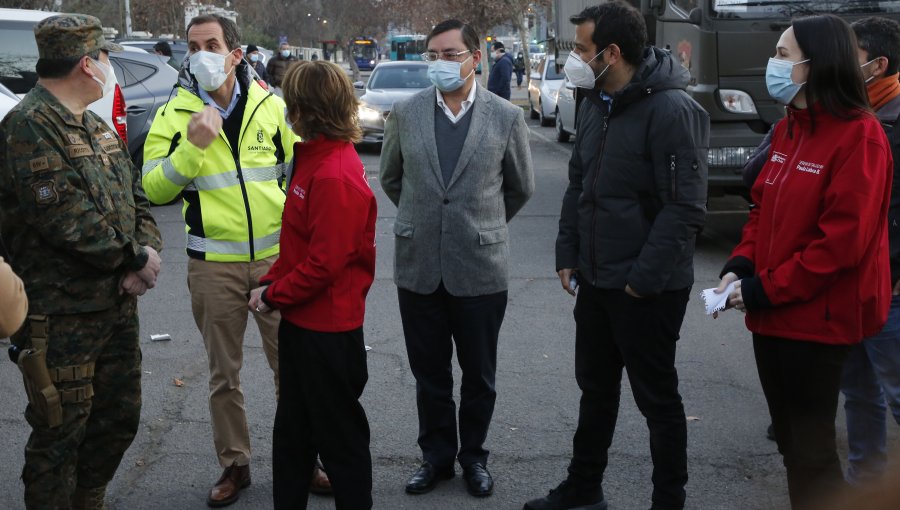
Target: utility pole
[128, 18]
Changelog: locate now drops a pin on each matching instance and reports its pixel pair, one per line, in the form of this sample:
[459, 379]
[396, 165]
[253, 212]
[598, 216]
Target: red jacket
[814, 253]
[327, 261]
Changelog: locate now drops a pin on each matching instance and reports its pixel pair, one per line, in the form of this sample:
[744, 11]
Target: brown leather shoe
[320, 484]
[228, 488]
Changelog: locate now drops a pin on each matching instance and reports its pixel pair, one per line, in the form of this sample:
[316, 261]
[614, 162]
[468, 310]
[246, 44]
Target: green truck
[725, 44]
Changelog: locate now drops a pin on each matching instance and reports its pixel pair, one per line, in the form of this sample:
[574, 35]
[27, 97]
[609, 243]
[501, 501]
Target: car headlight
[371, 62]
[729, 157]
[737, 101]
[368, 115]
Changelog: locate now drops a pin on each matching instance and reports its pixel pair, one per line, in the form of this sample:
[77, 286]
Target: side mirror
[695, 16]
[359, 85]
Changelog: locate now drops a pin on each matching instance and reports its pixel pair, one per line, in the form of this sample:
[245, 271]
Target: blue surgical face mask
[778, 80]
[285, 53]
[444, 74]
[254, 57]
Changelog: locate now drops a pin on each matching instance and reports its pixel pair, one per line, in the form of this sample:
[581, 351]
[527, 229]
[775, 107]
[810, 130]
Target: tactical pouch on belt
[45, 399]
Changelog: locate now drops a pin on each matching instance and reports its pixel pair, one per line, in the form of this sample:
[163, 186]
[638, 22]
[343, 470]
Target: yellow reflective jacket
[232, 206]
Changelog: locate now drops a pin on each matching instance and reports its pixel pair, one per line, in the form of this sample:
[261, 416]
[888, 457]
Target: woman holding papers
[811, 270]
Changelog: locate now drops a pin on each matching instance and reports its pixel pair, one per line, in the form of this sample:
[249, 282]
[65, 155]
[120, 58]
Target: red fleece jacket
[327, 261]
[814, 253]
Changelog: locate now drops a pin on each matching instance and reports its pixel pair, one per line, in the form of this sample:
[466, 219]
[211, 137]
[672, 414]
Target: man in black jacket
[501, 72]
[630, 216]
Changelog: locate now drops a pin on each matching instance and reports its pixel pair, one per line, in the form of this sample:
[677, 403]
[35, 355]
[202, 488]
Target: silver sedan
[545, 82]
[390, 82]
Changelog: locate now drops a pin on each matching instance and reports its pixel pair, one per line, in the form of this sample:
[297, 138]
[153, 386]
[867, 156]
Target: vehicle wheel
[545, 122]
[561, 134]
[534, 114]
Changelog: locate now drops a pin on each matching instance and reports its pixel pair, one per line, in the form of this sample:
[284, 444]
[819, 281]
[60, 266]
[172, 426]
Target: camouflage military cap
[71, 36]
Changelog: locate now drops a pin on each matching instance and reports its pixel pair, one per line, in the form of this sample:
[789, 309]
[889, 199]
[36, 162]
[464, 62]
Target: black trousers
[322, 376]
[614, 331]
[801, 381]
[473, 323]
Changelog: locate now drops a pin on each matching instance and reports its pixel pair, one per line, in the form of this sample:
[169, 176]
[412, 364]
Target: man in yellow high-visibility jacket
[223, 143]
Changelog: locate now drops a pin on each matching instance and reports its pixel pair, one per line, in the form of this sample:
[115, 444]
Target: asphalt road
[171, 464]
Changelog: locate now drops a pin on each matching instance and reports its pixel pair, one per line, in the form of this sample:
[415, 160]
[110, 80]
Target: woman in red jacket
[319, 283]
[812, 269]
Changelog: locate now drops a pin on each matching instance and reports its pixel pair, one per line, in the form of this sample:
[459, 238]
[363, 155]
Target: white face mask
[870, 78]
[209, 69]
[580, 72]
[108, 84]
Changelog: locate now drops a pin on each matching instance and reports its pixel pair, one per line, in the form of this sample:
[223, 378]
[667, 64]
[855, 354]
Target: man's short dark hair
[469, 36]
[52, 68]
[880, 37]
[499, 46]
[229, 29]
[616, 23]
[163, 47]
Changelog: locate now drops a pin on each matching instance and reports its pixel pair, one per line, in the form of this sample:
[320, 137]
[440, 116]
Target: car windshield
[553, 73]
[400, 77]
[789, 8]
[18, 56]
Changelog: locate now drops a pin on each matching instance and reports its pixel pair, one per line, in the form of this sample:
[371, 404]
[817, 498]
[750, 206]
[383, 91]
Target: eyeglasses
[433, 56]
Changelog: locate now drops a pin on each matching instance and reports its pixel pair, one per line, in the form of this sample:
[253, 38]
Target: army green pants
[86, 449]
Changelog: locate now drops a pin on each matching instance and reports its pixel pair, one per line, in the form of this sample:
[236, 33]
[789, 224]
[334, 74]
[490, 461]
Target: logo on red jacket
[300, 192]
[776, 164]
[810, 168]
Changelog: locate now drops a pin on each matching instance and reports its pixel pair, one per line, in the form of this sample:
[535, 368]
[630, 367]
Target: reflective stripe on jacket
[232, 207]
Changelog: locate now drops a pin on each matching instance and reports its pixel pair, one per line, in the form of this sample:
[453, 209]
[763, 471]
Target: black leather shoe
[567, 496]
[426, 477]
[478, 480]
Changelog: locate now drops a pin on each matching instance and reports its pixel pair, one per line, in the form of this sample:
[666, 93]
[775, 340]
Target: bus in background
[407, 47]
[365, 52]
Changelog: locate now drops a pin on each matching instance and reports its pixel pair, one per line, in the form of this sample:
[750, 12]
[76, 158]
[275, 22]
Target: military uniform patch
[110, 145]
[105, 159]
[74, 139]
[51, 162]
[45, 192]
[78, 151]
[38, 164]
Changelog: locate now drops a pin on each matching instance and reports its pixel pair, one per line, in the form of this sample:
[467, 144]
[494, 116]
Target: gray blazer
[455, 233]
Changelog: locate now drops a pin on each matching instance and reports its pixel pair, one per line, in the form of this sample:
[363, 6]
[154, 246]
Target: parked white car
[19, 55]
[7, 101]
[544, 84]
[566, 106]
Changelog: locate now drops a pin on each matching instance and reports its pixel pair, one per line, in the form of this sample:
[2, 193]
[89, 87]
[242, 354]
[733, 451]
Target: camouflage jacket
[73, 213]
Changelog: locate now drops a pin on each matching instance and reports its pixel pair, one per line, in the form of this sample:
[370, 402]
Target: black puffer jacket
[637, 183]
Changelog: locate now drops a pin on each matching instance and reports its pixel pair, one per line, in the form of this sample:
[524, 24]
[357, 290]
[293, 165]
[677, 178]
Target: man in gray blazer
[456, 162]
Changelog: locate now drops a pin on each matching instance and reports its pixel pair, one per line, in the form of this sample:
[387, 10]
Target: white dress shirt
[465, 104]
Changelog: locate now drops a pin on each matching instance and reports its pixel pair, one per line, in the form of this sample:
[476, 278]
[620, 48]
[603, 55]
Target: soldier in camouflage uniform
[79, 231]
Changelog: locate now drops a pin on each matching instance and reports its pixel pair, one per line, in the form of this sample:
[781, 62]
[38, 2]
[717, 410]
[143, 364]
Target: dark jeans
[519, 74]
[801, 381]
[614, 331]
[429, 323]
[322, 376]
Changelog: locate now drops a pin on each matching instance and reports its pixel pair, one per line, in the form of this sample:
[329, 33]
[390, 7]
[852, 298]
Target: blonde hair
[321, 101]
